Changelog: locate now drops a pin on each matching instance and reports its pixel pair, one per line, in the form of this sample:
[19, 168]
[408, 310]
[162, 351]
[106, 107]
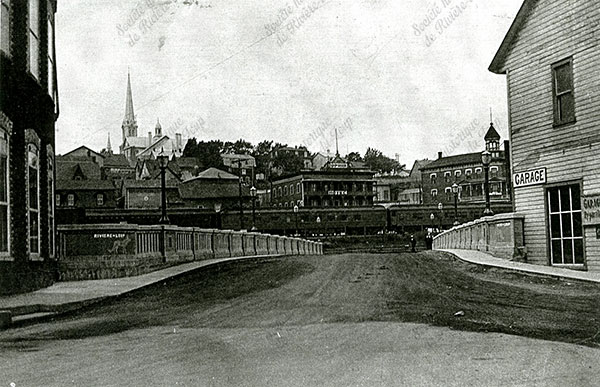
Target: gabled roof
[69, 154]
[116, 160]
[149, 149]
[68, 169]
[214, 174]
[136, 142]
[499, 61]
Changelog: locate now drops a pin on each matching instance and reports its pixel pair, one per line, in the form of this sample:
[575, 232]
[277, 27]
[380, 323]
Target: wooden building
[551, 59]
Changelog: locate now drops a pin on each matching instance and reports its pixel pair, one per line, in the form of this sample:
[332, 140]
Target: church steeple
[129, 126]
[108, 147]
[157, 129]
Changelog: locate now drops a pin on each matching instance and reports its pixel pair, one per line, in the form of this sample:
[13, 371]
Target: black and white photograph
[299, 193]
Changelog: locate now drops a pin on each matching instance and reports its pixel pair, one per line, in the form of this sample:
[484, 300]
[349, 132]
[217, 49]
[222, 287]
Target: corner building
[551, 59]
[28, 111]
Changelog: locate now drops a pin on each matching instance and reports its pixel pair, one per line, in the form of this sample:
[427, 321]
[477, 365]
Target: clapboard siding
[555, 30]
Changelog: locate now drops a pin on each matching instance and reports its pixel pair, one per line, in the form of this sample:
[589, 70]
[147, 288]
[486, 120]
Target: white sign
[337, 193]
[534, 177]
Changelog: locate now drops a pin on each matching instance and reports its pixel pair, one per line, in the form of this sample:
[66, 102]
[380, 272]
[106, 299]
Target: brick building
[28, 111]
[466, 170]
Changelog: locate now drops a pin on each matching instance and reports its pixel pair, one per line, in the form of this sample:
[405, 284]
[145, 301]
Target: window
[4, 194]
[449, 195]
[565, 224]
[478, 170]
[5, 27]
[285, 190]
[447, 176]
[279, 191]
[291, 189]
[433, 178]
[51, 60]
[457, 173]
[33, 198]
[494, 171]
[70, 200]
[100, 199]
[34, 38]
[298, 188]
[434, 193]
[468, 173]
[57, 200]
[51, 243]
[564, 98]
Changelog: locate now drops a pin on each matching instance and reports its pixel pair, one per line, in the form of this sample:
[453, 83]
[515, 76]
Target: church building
[136, 147]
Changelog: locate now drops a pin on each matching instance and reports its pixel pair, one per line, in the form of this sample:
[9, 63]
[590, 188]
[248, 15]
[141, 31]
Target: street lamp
[441, 209]
[241, 204]
[163, 161]
[486, 159]
[296, 209]
[218, 207]
[455, 192]
[432, 217]
[253, 194]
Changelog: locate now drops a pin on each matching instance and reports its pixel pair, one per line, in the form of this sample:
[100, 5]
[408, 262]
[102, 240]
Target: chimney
[149, 138]
[179, 142]
[439, 155]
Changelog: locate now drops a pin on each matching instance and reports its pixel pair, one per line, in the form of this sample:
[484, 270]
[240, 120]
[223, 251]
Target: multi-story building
[466, 170]
[338, 184]
[28, 111]
[240, 165]
[551, 58]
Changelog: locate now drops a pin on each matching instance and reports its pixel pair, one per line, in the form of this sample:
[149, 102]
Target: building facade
[337, 184]
[551, 59]
[28, 111]
[467, 171]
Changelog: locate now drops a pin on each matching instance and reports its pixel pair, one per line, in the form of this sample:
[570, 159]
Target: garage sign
[533, 177]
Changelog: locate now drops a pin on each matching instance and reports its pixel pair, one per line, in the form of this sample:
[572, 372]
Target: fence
[500, 235]
[121, 250]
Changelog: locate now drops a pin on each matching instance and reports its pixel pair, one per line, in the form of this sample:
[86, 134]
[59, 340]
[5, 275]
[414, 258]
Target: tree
[288, 163]
[208, 153]
[353, 156]
[262, 155]
[378, 162]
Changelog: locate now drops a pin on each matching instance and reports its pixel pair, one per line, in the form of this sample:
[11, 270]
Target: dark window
[564, 98]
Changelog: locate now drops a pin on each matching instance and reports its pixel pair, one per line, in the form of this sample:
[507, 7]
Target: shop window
[5, 27]
[33, 198]
[565, 224]
[51, 188]
[563, 92]
[4, 196]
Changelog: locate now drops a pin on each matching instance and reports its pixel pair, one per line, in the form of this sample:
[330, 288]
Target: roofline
[82, 146]
[497, 65]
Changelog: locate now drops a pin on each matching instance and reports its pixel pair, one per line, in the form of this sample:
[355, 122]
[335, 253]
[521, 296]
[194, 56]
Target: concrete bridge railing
[500, 235]
[121, 250]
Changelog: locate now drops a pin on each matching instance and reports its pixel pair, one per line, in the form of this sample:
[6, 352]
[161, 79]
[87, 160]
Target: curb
[27, 314]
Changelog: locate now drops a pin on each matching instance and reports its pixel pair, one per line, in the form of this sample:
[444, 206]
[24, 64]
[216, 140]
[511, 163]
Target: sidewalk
[481, 258]
[66, 296]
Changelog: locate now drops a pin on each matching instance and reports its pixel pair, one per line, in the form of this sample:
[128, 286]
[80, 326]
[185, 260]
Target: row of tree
[209, 155]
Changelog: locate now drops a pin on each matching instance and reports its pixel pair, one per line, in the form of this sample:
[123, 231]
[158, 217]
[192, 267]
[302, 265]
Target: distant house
[146, 194]
[240, 165]
[213, 188]
[116, 167]
[77, 168]
[83, 152]
[86, 194]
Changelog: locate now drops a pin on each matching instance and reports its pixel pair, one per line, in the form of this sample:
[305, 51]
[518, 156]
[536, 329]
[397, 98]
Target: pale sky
[212, 71]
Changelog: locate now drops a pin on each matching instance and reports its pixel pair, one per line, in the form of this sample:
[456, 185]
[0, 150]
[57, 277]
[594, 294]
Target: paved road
[348, 320]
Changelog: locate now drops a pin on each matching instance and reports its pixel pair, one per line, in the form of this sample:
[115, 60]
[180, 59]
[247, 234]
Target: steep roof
[69, 154]
[492, 134]
[136, 142]
[68, 169]
[116, 160]
[498, 63]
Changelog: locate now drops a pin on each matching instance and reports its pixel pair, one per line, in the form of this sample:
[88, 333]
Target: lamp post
[441, 209]
[253, 194]
[486, 159]
[455, 192]
[241, 205]
[296, 209]
[218, 215]
[432, 217]
[163, 161]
